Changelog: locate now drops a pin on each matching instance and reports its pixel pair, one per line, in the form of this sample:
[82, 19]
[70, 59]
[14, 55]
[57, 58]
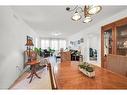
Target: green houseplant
[87, 69]
[38, 50]
[51, 50]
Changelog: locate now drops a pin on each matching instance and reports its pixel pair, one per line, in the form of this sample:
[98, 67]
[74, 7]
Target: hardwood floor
[68, 76]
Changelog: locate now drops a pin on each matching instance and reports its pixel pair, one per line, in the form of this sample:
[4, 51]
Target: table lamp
[29, 44]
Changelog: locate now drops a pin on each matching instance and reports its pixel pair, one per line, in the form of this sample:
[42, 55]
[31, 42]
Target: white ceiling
[47, 19]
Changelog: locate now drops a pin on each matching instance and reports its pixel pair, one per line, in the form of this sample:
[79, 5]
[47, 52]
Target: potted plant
[87, 69]
[51, 51]
[38, 50]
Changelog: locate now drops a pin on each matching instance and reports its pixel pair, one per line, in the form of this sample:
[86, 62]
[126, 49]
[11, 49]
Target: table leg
[33, 71]
[37, 75]
[31, 78]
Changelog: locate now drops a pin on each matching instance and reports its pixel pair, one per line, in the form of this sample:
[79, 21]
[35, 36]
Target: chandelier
[88, 11]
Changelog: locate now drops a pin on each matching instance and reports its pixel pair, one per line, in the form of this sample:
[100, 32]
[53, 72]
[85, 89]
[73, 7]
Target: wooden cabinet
[117, 63]
[113, 40]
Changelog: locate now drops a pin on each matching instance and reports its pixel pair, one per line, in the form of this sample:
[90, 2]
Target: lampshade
[76, 16]
[87, 19]
[29, 42]
[94, 9]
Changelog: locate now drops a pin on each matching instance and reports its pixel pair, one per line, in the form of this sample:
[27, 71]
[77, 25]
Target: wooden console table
[68, 76]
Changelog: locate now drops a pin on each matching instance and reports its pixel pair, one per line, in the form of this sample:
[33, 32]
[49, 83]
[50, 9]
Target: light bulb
[87, 19]
[76, 16]
[94, 9]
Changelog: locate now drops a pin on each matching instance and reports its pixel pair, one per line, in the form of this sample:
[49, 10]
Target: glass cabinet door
[122, 40]
[113, 40]
[107, 42]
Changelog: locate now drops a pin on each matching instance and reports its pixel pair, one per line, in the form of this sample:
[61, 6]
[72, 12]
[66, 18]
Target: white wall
[95, 30]
[13, 32]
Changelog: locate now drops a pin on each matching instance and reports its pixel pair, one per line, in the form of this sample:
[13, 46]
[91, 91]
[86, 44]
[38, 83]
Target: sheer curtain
[55, 44]
[45, 44]
[62, 44]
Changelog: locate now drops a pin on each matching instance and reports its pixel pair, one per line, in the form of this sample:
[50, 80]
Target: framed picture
[71, 42]
[78, 41]
[81, 40]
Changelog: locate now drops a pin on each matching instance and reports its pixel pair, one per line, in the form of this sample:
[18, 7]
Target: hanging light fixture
[88, 11]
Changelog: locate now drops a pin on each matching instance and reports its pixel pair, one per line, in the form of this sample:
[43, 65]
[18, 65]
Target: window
[62, 44]
[44, 44]
[55, 44]
[36, 42]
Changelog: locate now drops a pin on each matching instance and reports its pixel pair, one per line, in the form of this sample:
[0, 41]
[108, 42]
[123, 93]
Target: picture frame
[81, 40]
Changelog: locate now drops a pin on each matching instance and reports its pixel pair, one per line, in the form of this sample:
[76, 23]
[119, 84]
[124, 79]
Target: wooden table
[33, 69]
[68, 76]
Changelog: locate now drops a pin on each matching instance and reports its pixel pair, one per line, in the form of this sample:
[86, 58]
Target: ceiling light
[56, 34]
[87, 19]
[76, 16]
[94, 9]
[87, 11]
